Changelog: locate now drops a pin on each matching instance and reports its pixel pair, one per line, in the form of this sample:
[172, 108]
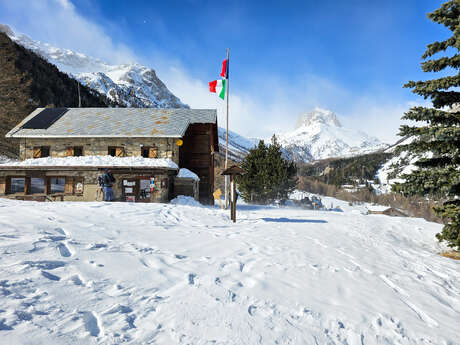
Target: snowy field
[111, 273]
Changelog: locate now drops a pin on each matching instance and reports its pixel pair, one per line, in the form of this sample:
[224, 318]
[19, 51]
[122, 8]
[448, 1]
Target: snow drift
[111, 273]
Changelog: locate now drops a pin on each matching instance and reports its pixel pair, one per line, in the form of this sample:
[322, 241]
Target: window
[116, 151]
[57, 185]
[37, 185]
[149, 152]
[41, 151]
[73, 185]
[78, 151]
[18, 184]
[75, 151]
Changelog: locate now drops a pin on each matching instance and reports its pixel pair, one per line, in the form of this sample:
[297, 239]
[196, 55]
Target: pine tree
[268, 175]
[438, 138]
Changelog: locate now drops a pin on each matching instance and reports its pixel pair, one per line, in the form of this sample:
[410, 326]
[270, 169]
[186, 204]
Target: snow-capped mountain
[319, 134]
[238, 146]
[132, 85]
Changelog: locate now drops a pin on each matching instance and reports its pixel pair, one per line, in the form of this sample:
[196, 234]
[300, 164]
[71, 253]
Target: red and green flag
[218, 86]
[224, 73]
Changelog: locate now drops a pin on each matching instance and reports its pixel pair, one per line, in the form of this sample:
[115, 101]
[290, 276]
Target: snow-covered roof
[94, 161]
[112, 122]
[185, 173]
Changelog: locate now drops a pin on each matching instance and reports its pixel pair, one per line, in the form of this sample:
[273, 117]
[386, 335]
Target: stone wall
[166, 147]
[91, 190]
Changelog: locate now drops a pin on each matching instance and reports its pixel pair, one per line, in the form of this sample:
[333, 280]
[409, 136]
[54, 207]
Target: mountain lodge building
[63, 150]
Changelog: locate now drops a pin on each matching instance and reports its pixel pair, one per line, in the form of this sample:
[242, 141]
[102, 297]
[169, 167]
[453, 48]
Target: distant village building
[63, 150]
[386, 210]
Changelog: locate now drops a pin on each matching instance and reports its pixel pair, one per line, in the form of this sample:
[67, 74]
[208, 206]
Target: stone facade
[88, 190]
[165, 147]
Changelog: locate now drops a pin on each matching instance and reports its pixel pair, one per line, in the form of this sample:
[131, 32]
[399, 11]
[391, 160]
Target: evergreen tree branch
[437, 47]
[441, 63]
[426, 88]
[433, 116]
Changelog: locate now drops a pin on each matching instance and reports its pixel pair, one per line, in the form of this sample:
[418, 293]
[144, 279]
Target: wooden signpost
[217, 194]
[232, 172]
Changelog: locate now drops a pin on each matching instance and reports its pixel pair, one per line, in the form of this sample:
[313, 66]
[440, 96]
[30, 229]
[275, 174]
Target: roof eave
[82, 167]
[96, 136]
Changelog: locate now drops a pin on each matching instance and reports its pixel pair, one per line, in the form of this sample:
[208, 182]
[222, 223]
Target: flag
[218, 86]
[224, 73]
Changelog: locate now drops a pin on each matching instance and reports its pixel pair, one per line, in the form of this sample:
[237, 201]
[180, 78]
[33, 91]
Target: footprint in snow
[252, 310]
[77, 280]
[4, 326]
[95, 246]
[63, 250]
[91, 323]
[50, 276]
[23, 315]
[94, 263]
[121, 309]
[191, 279]
[45, 264]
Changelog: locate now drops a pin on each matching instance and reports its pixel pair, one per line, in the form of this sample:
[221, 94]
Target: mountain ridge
[27, 82]
[319, 135]
[130, 85]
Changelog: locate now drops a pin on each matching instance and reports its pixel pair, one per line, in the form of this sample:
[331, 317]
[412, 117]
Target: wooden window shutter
[7, 185]
[69, 185]
[27, 185]
[47, 185]
[2, 185]
[69, 152]
[153, 152]
[120, 152]
[37, 152]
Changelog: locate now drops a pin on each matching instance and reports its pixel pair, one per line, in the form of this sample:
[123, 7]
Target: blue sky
[286, 56]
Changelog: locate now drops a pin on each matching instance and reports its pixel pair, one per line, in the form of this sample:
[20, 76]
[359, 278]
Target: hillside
[27, 81]
[340, 171]
[238, 146]
[94, 273]
[131, 85]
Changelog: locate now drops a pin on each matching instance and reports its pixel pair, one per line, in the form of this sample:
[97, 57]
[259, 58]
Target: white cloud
[280, 106]
[248, 115]
[57, 22]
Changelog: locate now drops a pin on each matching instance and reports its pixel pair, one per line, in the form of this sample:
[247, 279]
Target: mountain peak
[6, 30]
[320, 135]
[318, 115]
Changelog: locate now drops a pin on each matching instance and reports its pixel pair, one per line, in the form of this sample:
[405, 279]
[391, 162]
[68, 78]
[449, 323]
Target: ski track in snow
[110, 273]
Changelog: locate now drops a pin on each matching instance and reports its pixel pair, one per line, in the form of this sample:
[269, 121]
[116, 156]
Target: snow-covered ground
[111, 273]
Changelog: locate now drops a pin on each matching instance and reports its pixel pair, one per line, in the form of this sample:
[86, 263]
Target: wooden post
[234, 197]
[233, 172]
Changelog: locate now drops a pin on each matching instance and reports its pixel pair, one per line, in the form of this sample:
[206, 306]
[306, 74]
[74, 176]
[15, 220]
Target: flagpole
[226, 134]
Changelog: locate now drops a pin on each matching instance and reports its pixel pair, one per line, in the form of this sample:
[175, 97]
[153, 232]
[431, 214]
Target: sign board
[217, 194]
[79, 188]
